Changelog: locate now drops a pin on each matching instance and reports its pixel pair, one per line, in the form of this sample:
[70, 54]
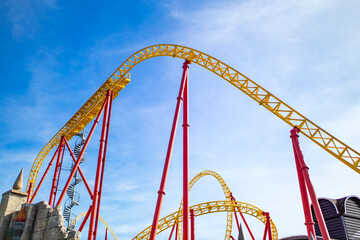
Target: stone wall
[10, 204]
[35, 222]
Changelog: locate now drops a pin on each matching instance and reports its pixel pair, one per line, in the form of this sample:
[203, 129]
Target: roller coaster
[101, 103]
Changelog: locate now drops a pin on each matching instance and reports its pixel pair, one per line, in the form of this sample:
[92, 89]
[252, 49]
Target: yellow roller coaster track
[209, 207]
[120, 78]
[227, 194]
[102, 220]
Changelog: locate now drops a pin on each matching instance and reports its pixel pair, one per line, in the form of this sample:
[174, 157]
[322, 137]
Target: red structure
[94, 209]
[161, 192]
[192, 217]
[267, 226]
[306, 188]
[242, 217]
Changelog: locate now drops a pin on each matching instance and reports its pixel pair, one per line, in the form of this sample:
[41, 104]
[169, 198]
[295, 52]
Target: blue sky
[54, 55]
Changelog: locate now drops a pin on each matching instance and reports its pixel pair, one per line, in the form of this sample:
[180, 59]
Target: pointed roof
[18, 184]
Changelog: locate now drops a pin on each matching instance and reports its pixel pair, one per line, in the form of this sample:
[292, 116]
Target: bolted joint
[186, 125]
[304, 167]
[186, 64]
[295, 131]
[161, 192]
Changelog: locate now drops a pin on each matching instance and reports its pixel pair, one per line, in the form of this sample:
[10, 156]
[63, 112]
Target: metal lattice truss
[120, 78]
[206, 208]
[77, 122]
[227, 193]
[101, 219]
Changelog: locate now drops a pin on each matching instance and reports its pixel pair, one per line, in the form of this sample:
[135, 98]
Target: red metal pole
[242, 217]
[232, 238]
[172, 230]
[186, 163]
[59, 172]
[80, 155]
[79, 169]
[85, 219]
[161, 191]
[103, 159]
[106, 234]
[45, 173]
[268, 224]
[192, 216]
[265, 231]
[53, 186]
[305, 173]
[29, 192]
[176, 231]
[237, 221]
[93, 218]
[309, 222]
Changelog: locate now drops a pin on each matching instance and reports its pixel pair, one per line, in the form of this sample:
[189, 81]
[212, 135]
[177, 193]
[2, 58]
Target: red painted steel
[309, 222]
[176, 231]
[186, 163]
[59, 172]
[232, 238]
[53, 186]
[80, 155]
[172, 231]
[243, 218]
[237, 221]
[45, 173]
[192, 217]
[306, 177]
[106, 234]
[29, 192]
[79, 169]
[85, 219]
[93, 218]
[103, 159]
[268, 225]
[161, 191]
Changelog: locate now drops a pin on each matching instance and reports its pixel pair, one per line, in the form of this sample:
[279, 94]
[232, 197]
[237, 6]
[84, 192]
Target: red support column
[237, 221]
[80, 155]
[307, 182]
[85, 219]
[186, 163]
[161, 191]
[59, 172]
[242, 217]
[93, 218]
[176, 231]
[268, 225]
[103, 160]
[45, 173]
[29, 192]
[309, 222]
[79, 169]
[106, 234]
[172, 231]
[57, 166]
[192, 216]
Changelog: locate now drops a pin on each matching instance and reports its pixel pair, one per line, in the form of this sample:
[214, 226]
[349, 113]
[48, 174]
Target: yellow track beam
[227, 194]
[325, 140]
[102, 220]
[209, 207]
